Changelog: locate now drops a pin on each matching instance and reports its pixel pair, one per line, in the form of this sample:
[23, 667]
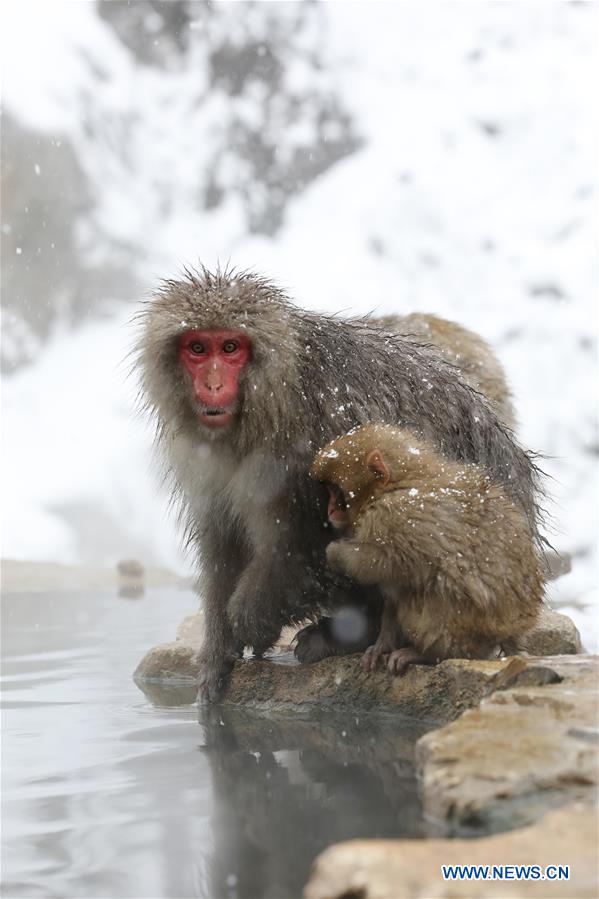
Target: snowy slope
[473, 196]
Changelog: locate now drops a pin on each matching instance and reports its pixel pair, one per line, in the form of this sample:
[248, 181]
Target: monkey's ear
[377, 465]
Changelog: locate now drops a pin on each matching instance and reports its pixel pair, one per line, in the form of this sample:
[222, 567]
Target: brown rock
[436, 692]
[530, 746]
[519, 753]
[174, 662]
[408, 869]
[191, 630]
[439, 692]
[555, 634]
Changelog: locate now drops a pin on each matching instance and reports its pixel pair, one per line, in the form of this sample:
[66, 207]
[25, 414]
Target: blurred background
[386, 157]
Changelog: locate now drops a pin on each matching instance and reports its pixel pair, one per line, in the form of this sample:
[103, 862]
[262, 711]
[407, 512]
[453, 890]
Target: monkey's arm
[373, 554]
[253, 609]
[367, 563]
[221, 564]
[278, 581]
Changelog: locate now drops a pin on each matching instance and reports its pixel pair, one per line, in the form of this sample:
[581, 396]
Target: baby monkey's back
[451, 552]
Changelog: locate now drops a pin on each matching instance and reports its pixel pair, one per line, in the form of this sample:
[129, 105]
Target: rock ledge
[515, 748]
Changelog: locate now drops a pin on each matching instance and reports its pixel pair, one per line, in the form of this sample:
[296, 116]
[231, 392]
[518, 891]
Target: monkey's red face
[215, 360]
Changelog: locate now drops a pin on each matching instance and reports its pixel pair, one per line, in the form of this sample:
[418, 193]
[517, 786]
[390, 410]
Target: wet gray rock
[130, 568]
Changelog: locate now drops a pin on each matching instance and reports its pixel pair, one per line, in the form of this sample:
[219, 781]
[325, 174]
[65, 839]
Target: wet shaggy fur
[450, 550]
[245, 492]
[471, 356]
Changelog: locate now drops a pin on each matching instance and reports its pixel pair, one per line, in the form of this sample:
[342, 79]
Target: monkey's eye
[197, 348]
[230, 346]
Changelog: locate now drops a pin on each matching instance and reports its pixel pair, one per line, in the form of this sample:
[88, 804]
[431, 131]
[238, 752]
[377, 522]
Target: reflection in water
[108, 794]
[285, 788]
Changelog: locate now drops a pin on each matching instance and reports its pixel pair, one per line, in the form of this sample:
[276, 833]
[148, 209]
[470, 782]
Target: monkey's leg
[220, 650]
[315, 642]
[354, 624]
[388, 638]
[400, 660]
[264, 599]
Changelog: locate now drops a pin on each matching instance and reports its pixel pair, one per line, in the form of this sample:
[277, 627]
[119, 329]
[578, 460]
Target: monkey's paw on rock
[213, 677]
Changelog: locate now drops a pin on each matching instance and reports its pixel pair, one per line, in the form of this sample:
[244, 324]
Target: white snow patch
[473, 197]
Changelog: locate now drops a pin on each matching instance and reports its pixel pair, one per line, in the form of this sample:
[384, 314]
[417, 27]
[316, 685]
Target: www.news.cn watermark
[505, 872]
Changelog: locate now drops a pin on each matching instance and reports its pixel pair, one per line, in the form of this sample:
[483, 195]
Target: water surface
[111, 793]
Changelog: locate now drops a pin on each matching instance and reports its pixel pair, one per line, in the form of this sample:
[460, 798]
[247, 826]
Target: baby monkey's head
[364, 463]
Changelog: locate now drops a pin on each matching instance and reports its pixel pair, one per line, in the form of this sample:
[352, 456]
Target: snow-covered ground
[473, 196]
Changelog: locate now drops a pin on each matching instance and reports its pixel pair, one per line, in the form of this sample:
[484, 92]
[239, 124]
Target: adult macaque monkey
[450, 550]
[472, 356]
[246, 388]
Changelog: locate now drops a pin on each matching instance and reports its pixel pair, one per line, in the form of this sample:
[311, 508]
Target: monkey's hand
[213, 675]
[339, 554]
[376, 652]
[252, 627]
[400, 660]
[254, 609]
[364, 561]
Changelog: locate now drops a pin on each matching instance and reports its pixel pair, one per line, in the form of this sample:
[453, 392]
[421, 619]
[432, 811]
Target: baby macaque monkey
[450, 551]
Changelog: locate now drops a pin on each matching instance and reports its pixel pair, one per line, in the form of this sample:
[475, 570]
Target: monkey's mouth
[338, 511]
[215, 417]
